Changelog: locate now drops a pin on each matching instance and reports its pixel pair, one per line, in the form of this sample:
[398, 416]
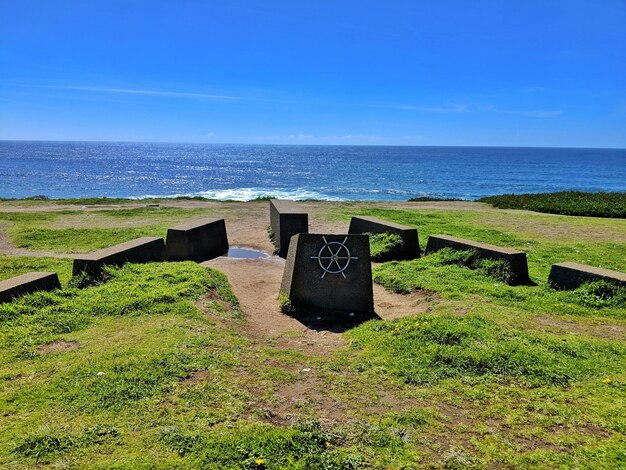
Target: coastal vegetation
[382, 244]
[156, 365]
[580, 203]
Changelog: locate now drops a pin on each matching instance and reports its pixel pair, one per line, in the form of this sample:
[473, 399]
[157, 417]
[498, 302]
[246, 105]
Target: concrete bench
[410, 248]
[515, 258]
[572, 275]
[27, 284]
[197, 241]
[140, 250]
[286, 220]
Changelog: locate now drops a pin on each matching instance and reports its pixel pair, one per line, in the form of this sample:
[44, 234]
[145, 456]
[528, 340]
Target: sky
[448, 72]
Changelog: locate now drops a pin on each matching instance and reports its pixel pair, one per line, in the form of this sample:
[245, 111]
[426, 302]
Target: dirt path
[256, 282]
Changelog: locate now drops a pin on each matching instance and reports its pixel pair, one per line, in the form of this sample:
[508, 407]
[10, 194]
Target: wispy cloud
[537, 113]
[458, 108]
[534, 113]
[133, 91]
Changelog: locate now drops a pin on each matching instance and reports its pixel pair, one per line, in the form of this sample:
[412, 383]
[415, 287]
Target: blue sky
[530, 73]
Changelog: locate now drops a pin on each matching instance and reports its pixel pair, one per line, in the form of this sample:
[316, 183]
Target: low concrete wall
[572, 275]
[140, 250]
[197, 241]
[410, 248]
[516, 258]
[27, 284]
[286, 220]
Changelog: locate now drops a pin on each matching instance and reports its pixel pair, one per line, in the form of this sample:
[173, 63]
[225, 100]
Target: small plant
[448, 256]
[39, 447]
[383, 245]
[272, 236]
[498, 269]
[600, 294]
[286, 306]
[83, 279]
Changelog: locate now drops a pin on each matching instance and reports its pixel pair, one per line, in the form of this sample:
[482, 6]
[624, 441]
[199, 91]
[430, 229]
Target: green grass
[139, 334]
[427, 350]
[54, 231]
[77, 240]
[157, 367]
[564, 202]
[11, 266]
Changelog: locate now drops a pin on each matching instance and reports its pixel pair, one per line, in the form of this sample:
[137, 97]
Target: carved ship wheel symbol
[334, 257]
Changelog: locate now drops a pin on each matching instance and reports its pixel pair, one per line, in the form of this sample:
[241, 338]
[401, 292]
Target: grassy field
[564, 202]
[155, 368]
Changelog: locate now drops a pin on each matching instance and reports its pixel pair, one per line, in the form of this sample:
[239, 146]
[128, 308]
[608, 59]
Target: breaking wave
[249, 194]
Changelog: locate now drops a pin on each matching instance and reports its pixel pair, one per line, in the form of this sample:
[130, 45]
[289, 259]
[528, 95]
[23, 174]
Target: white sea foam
[248, 194]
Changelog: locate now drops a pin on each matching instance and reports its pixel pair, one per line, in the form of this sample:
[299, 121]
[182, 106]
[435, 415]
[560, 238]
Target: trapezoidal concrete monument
[139, 250]
[572, 275]
[197, 241]
[27, 284]
[515, 258]
[410, 248]
[286, 220]
[329, 273]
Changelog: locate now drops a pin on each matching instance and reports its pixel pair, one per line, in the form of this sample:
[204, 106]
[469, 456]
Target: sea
[299, 172]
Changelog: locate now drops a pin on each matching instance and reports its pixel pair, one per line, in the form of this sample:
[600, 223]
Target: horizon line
[305, 144]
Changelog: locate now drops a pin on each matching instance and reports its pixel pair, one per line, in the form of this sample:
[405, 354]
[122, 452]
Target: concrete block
[410, 248]
[570, 276]
[329, 273]
[286, 220]
[27, 284]
[197, 241]
[515, 258]
[139, 250]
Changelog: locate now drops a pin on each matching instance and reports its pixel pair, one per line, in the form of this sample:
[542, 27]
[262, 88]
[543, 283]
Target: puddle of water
[245, 253]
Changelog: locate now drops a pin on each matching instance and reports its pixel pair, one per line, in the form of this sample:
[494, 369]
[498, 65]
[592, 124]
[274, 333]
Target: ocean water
[243, 172]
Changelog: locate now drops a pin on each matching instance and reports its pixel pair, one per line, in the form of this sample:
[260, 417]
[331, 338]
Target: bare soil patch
[598, 329]
[60, 345]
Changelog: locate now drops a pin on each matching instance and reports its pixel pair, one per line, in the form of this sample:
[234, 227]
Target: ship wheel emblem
[334, 257]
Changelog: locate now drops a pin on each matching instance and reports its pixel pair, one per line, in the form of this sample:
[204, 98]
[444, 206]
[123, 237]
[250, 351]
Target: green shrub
[600, 294]
[565, 202]
[498, 269]
[382, 245]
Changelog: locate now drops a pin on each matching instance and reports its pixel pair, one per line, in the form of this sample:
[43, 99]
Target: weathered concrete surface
[28, 283]
[329, 277]
[286, 220]
[410, 248]
[197, 241]
[572, 275]
[515, 258]
[139, 250]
